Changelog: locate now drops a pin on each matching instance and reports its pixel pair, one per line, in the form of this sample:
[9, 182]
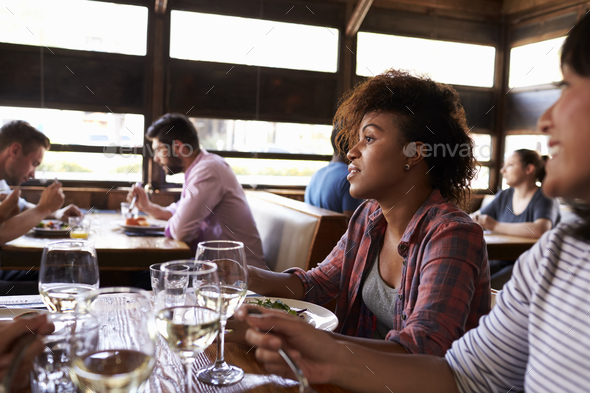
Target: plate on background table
[317, 316]
[52, 228]
[141, 228]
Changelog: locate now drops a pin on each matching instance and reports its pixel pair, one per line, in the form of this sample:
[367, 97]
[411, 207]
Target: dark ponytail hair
[531, 157]
[576, 54]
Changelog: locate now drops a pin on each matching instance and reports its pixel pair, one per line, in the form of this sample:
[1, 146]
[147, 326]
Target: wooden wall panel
[20, 73]
[297, 96]
[537, 31]
[214, 89]
[478, 107]
[219, 91]
[116, 82]
[317, 13]
[379, 20]
[524, 109]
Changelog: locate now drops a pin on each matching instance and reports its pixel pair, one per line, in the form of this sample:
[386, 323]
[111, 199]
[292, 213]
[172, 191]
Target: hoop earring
[407, 167]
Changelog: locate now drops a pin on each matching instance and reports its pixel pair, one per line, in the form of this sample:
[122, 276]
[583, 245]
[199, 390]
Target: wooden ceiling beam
[357, 17]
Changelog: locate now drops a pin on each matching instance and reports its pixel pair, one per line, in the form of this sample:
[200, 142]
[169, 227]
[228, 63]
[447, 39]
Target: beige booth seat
[293, 233]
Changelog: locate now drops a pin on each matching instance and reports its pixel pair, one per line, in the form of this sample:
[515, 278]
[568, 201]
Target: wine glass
[123, 357]
[188, 309]
[68, 268]
[230, 259]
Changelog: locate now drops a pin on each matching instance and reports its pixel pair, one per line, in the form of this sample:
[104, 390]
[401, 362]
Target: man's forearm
[21, 224]
[365, 370]
[158, 212]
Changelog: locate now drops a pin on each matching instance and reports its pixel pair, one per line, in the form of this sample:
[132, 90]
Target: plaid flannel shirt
[445, 286]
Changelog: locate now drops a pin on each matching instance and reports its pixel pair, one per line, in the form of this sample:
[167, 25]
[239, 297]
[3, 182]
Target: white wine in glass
[68, 269]
[232, 270]
[122, 359]
[187, 326]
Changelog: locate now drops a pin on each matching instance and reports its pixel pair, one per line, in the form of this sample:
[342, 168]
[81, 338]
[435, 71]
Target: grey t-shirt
[539, 206]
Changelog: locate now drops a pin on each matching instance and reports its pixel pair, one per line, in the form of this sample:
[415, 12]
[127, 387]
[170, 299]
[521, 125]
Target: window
[265, 137]
[105, 166]
[230, 39]
[446, 62]
[75, 24]
[101, 133]
[531, 142]
[482, 180]
[274, 172]
[483, 147]
[535, 64]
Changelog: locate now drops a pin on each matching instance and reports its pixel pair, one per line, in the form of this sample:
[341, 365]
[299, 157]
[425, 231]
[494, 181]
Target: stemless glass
[233, 281]
[123, 357]
[51, 368]
[188, 325]
[68, 269]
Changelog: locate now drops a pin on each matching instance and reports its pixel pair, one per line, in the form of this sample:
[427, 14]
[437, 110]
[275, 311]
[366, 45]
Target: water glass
[51, 368]
[157, 275]
[125, 210]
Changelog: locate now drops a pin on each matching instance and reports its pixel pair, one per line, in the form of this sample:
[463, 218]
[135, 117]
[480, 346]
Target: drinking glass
[230, 259]
[68, 269]
[188, 309]
[123, 357]
[157, 275]
[80, 228]
[51, 368]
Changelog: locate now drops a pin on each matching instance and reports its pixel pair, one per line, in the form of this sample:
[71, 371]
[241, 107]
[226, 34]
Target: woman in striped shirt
[536, 337]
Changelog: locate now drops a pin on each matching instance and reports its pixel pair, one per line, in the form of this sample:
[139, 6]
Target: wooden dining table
[115, 250]
[168, 375]
[507, 247]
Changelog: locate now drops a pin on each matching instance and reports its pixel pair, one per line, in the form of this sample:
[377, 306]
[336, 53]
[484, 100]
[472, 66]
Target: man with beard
[212, 204]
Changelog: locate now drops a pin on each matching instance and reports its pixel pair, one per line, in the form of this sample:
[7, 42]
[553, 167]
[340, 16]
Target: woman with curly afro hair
[412, 268]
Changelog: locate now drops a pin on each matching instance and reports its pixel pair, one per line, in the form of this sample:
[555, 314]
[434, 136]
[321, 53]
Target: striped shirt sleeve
[494, 357]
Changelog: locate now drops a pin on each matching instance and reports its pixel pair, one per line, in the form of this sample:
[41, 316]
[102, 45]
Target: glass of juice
[80, 228]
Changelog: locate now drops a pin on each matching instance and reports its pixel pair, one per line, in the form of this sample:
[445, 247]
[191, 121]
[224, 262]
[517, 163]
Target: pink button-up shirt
[213, 206]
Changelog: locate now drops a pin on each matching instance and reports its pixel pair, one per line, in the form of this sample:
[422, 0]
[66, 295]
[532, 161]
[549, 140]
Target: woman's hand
[485, 221]
[313, 350]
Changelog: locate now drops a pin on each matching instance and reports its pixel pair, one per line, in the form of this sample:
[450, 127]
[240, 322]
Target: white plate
[139, 228]
[10, 313]
[50, 231]
[317, 316]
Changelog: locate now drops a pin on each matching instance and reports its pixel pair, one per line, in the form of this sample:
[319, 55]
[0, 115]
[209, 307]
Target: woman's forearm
[524, 229]
[267, 283]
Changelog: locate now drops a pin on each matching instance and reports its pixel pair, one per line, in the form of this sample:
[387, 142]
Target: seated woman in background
[521, 210]
[412, 267]
[535, 339]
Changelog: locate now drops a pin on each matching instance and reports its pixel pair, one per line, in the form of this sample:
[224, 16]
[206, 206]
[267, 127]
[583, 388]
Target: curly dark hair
[425, 111]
